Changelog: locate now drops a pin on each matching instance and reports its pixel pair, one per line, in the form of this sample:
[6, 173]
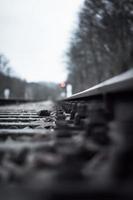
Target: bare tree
[102, 46]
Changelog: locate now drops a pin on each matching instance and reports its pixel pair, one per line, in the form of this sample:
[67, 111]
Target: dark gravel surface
[48, 153]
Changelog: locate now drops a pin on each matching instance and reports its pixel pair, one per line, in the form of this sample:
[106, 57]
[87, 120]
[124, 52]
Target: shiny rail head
[120, 83]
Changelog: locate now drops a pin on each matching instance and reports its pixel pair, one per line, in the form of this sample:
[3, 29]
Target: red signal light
[62, 85]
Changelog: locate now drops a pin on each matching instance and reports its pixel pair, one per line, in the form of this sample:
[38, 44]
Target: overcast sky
[34, 35]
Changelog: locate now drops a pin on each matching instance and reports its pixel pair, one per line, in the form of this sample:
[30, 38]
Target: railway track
[13, 101]
[80, 149]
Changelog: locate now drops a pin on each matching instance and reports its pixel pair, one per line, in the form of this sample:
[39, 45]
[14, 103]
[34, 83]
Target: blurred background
[51, 49]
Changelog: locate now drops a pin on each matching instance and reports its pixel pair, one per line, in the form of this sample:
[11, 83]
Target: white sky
[34, 35]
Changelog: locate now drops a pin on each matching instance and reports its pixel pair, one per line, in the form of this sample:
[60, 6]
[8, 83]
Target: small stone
[44, 113]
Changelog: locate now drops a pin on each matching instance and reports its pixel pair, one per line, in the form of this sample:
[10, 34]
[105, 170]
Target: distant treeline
[102, 44]
[16, 86]
[21, 89]
[42, 91]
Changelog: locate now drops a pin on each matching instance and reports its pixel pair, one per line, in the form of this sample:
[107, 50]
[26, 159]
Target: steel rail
[120, 83]
[15, 101]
